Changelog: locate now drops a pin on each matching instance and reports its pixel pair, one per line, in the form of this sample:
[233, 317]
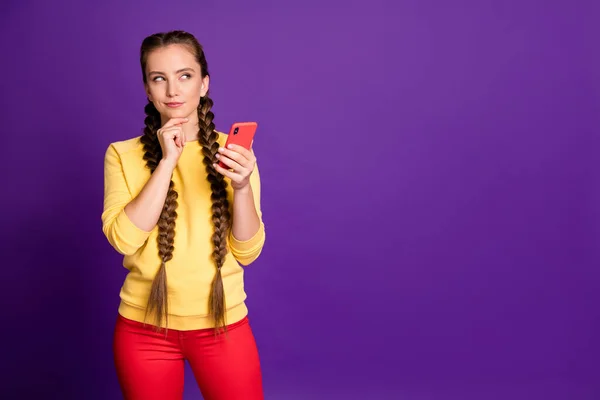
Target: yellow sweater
[191, 270]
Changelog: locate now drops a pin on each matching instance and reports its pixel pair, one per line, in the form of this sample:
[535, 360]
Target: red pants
[151, 366]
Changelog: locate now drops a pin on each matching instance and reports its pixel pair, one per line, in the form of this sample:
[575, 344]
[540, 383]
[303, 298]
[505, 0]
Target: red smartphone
[242, 134]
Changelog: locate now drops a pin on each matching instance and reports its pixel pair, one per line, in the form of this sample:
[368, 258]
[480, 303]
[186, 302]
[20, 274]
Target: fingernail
[217, 155]
[221, 149]
[230, 146]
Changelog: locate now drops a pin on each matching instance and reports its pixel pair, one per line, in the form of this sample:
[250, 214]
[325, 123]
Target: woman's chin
[176, 113]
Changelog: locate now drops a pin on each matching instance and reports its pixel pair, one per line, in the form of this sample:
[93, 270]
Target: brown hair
[221, 218]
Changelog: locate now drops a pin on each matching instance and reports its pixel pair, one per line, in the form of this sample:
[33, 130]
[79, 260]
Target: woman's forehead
[171, 59]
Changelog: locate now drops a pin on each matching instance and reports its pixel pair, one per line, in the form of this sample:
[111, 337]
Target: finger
[230, 174]
[229, 162]
[234, 155]
[178, 133]
[171, 128]
[179, 137]
[241, 150]
[175, 121]
[175, 135]
[171, 132]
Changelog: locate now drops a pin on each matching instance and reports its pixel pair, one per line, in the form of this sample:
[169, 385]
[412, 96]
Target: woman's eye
[187, 76]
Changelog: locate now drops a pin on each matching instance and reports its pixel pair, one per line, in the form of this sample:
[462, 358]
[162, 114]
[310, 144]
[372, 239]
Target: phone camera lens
[235, 131]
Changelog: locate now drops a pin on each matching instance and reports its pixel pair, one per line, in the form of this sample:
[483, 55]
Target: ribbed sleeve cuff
[248, 249]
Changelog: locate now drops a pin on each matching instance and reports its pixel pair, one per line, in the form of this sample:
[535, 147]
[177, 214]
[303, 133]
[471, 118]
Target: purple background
[430, 191]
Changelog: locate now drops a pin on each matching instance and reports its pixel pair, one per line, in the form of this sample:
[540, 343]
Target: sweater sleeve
[247, 251]
[125, 237]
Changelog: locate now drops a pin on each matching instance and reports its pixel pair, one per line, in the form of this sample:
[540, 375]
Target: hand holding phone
[241, 134]
[238, 162]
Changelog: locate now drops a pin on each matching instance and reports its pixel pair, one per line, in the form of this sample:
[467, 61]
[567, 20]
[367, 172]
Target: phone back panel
[242, 134]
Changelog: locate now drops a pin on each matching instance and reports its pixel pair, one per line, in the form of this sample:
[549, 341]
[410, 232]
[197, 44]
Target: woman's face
[174, 82]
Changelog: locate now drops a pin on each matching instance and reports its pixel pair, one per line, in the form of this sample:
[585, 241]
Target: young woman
[186, 227]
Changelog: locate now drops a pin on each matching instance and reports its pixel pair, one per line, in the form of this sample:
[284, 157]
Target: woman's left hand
[241, 162]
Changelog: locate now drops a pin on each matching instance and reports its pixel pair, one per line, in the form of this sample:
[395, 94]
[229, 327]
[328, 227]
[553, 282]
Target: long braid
[220, 206]
[157, 301]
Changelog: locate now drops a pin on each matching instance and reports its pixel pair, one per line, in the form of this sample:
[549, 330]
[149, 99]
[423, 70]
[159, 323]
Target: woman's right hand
[172, 140]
